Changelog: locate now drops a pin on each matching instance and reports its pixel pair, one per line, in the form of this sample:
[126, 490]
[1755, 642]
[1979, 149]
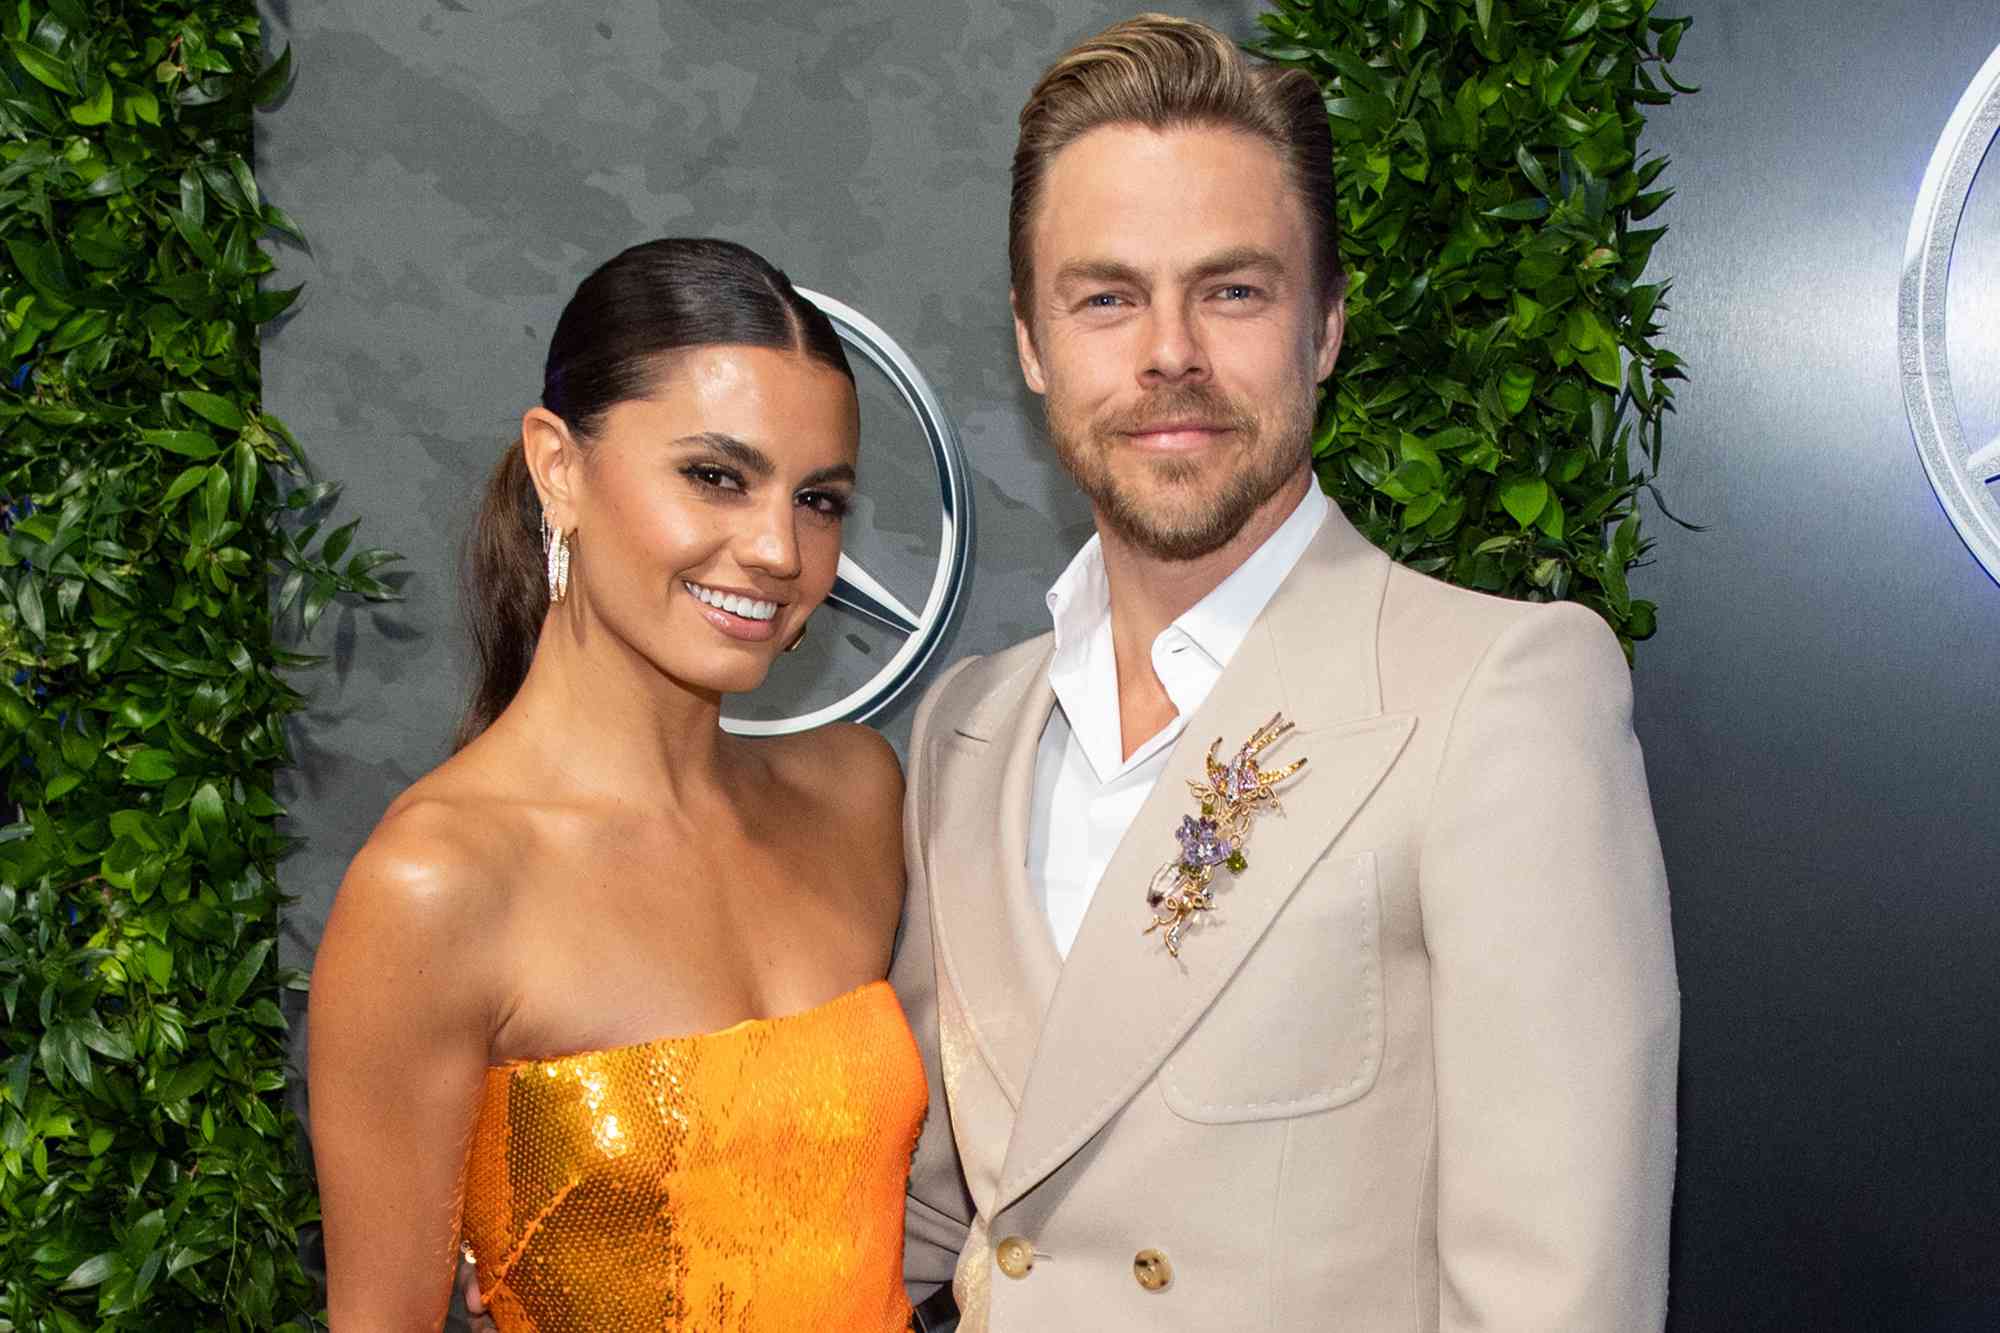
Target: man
[1415, 1068]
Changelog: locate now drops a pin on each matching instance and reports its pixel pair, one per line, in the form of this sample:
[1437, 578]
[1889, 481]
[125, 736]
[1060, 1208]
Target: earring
[555, 547]
[793, 646]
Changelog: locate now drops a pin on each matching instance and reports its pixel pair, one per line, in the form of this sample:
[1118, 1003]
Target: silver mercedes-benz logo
[1962, 472]
[904, 557]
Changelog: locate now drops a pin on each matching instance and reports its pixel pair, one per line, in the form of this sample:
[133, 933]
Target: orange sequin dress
[747, 1180]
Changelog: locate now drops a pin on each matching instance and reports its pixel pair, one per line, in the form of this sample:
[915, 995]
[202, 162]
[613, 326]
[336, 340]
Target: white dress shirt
[1086, 791]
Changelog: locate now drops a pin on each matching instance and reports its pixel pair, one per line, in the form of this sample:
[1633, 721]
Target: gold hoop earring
[793, 646]
[555, 549]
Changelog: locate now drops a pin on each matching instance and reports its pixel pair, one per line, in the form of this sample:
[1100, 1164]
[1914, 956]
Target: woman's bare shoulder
[846, 763]
[440, 866]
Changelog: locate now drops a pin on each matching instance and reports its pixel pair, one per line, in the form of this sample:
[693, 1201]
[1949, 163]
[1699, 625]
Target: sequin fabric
[748, 1180]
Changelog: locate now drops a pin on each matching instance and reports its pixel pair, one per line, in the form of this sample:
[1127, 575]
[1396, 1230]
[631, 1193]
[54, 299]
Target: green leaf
[1670, 40]
[1369, 112]
[28, 599]
[95, 109]
[1550, 520]
[1525, 498]
[1532, 169]
[1565, 74]
[1520, 210]
[241, 975]
[1517, 386]
[42, 267]
[1625, 544]
[208, 812]
[185, 1081]
[272, 82]
[107, 1043]
[214, 504]
[185, 482]
[150, 767]
[337, 543]
[1482, 10]
[214, 408]
[1601, 361]
[188, 443]
[1581, 20]
[246, 471]
[43, 66]
[91, 1271]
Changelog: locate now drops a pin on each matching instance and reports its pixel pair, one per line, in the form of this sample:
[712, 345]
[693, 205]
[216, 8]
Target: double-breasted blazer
[1415, 1073]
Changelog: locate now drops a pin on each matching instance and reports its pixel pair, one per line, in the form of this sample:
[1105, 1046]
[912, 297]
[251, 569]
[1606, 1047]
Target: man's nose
[1173, 346]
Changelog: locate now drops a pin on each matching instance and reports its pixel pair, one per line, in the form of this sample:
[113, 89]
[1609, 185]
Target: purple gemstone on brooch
[1202, 843]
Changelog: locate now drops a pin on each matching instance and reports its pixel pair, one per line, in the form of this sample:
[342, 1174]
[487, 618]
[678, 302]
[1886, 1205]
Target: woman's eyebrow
[747, 456]
[821, 476]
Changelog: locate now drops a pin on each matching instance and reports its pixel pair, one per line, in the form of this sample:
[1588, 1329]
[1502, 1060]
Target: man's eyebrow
[1238, 259]
[747, 456]
[1097, 270]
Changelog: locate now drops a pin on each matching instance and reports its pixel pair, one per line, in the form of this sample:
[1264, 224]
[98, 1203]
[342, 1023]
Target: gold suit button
[1152, 1270]
[1015, 1256]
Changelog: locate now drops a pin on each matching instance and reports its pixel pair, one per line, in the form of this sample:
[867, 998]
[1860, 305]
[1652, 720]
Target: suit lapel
[1121, 1003]
[992, 938]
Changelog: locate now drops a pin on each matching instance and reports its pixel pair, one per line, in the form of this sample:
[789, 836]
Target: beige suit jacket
[1417, 1073]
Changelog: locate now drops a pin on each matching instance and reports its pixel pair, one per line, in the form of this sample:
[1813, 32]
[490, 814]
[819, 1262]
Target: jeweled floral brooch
[1235, 793]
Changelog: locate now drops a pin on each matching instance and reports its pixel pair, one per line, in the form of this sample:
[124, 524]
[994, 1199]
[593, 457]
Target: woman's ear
[554, 461]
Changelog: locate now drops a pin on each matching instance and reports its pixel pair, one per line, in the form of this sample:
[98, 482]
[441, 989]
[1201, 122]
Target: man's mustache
[1185, 406]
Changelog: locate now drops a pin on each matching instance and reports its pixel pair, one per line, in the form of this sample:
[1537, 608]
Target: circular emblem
[905, 551]
[1961, 471]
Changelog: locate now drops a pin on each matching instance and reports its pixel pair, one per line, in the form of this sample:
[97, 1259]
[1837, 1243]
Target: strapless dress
[748, 1180]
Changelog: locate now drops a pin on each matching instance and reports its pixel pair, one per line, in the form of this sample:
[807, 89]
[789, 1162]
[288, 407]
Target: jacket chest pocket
[1298, 1029]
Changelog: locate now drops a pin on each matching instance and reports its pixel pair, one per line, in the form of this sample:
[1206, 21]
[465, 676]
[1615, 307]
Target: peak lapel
[1122, 1003]
[992, 940]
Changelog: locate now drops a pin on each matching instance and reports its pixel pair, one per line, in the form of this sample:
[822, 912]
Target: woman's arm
[401, 1013]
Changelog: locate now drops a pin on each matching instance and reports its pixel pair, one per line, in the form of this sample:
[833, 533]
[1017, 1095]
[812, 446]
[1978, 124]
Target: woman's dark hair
[651, 300]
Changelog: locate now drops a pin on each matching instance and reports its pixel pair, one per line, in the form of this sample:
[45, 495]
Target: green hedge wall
[1501, 398]
[150, 1176]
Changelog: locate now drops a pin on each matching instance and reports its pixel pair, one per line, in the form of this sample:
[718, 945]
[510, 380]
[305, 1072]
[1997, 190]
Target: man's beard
[1171, 519]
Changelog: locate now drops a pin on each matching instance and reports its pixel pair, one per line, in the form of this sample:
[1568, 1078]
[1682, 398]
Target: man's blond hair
[1164, 73]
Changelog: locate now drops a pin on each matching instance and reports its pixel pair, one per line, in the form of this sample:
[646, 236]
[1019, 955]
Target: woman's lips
[735, 626]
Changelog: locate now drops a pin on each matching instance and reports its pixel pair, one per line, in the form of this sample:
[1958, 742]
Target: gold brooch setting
[1234, 794]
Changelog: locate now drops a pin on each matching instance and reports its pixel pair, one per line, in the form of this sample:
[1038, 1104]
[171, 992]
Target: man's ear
[1336, 325]
[1024, 347]
[555, 462]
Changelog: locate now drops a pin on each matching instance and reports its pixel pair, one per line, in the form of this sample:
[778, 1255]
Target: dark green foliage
[149, 1172]
[1500, 399]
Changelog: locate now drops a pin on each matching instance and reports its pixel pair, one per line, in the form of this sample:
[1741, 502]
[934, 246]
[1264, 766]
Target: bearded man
[1371, 1044]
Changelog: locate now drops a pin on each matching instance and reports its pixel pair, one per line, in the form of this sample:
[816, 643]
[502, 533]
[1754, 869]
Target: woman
[600, 864]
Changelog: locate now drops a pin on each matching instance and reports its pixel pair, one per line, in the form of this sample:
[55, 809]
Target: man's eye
[1237, 291]
[1101, 300]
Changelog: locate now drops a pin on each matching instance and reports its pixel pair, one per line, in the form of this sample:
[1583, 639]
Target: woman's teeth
[746, 607]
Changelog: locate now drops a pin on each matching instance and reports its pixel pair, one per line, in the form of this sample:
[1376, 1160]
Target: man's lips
[1176, 436]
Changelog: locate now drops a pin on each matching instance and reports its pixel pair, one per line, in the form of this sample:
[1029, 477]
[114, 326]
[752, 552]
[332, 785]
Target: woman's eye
[827, 504]
[708, 474]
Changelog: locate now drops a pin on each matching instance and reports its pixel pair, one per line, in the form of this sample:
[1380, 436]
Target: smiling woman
[609, 971]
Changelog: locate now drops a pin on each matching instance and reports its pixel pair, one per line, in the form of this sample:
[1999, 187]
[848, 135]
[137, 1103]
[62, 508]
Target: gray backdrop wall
[1820, 711]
